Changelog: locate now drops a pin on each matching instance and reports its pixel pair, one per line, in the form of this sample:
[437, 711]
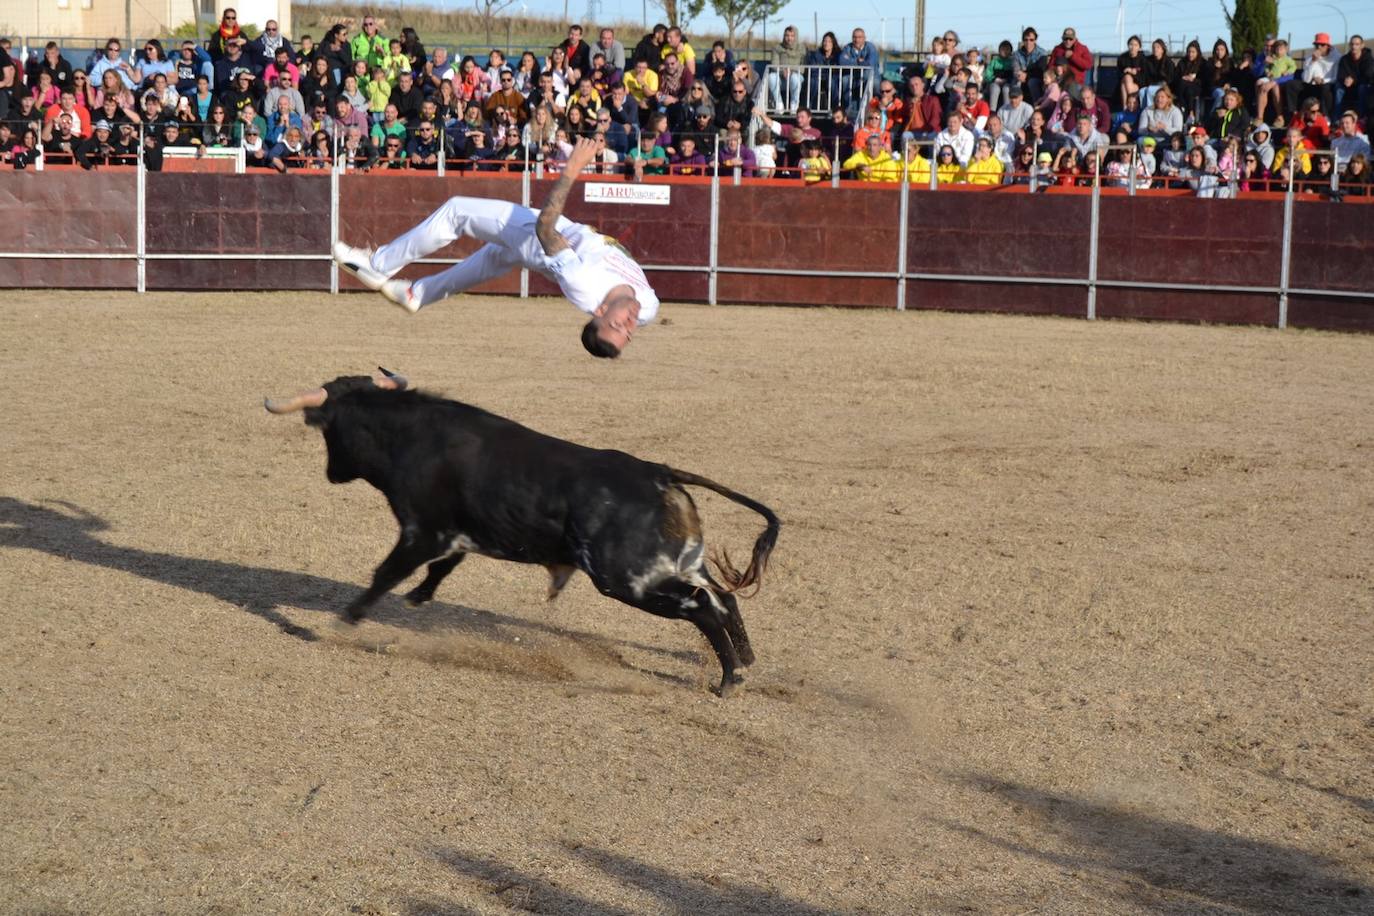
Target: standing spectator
[1028, 64]
[614, 50]
[227, 33]
[1318, 77]
[786, 71]
[579, 54]
[956, 137]
[1073, 53]
[1349, 143]
[1354, 77]
[369, 44]
[859, 53]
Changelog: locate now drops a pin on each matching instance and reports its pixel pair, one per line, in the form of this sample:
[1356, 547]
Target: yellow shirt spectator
[641, 86]
[873, 164]
[918, 169]
[984, 171]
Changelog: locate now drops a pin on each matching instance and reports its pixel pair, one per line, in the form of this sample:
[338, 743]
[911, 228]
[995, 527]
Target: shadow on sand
[258, 590]
[672, 893]
[1168, 866]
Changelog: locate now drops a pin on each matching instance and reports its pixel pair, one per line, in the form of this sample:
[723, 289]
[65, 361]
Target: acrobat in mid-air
[594, 272]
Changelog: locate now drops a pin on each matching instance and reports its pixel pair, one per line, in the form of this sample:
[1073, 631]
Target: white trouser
[507, 228]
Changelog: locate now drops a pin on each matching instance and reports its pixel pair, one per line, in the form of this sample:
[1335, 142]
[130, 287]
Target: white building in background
[101, 19]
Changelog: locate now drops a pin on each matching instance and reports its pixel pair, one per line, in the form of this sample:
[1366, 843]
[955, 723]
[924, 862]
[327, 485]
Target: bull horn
[299, 402]
[391, 380]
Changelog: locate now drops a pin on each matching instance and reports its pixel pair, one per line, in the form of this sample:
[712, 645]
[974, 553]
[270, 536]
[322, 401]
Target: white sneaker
[358, 262]
[398, 291]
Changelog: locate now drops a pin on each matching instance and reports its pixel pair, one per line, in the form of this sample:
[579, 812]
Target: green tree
[743, 15]
[681, 12]
[1250, 21]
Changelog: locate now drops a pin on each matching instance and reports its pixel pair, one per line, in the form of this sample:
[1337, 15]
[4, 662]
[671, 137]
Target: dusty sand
[1065, 617]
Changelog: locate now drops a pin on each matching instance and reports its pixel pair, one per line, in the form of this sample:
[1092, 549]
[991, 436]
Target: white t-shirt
[591, 268]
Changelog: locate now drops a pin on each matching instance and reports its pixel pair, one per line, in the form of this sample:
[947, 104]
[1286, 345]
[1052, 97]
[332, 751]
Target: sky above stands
[985, 24]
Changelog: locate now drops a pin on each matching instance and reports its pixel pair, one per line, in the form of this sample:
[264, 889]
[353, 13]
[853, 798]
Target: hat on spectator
[1322, 38]
[1198, 131]
[1044, 157]
[1148, 142]
[102, 124]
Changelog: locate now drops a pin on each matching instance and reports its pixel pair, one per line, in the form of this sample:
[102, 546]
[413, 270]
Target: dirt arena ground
[1065, 618]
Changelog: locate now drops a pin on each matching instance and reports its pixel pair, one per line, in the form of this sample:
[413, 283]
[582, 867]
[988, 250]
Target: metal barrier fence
[820, 88]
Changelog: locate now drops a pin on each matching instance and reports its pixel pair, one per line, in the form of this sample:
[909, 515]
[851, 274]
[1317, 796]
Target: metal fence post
[904, 202]
[1093, 232]
[141, 232]
[525, 202]
[333, 229]
[1287, 257]
[713, 253]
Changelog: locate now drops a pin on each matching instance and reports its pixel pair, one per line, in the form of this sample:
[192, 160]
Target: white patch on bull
[461, 543]
[661, 568]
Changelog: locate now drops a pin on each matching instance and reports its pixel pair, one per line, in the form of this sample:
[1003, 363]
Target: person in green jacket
[368, 44]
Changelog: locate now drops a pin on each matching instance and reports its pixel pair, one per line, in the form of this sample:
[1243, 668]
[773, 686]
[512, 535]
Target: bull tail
[735, 579]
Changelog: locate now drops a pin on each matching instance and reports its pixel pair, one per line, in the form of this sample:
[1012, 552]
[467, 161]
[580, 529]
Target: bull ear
[390, 380]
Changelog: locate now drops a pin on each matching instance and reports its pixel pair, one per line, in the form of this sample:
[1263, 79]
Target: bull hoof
[727, 686]
[415, 597]
[354, 614]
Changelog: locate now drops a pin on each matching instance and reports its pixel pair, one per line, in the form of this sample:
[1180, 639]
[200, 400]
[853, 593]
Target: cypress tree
[1250, 22]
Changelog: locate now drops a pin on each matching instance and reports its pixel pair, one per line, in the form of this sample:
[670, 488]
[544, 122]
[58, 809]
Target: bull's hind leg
[438, 570]
[734, 623]
[410, 551]
[699, 604]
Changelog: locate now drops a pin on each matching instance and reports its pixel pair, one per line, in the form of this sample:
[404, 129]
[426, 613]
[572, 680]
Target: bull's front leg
[410, 551]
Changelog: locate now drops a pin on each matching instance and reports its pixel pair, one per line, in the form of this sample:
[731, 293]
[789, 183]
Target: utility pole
[920, 26]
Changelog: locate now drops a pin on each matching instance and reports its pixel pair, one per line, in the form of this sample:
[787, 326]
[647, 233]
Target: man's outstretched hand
[582, 155]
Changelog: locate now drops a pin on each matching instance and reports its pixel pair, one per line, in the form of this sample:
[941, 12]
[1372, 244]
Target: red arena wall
[1159, 255]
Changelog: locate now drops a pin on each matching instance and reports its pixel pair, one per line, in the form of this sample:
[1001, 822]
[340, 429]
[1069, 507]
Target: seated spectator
[289, 152]
[283, 119]
[447, 105]
[1279, 70]
[823, 86]
[1097, 108]
[786, 71]
[717, 82]
[1354, 77]
[1260, 144]
[1130, 69]
[1355, 180]
[540, 129]
[1074, 55]
[972, 108]
[1323, 172]
[603, 75]
[1050, 96]
[505, 96]
[1128, 119]
[642, 85]
[673, 83]
[113, 112]
[60, 139]
[1085, 138]
[575, 120]
[1314, 125]
[471, 84]
[127, 75]
[392, 155]
[346, 116]
[611, 49]
[947, 167]
[688, 160]
[286, 88]
[1016, 113]
[390, 126]
[509, 151]
[604, 160]
[678, 46]
[256, 151]
[379, 94]
[1029, 63]
[317, 118]
[872, 128]
[1003, 141]
[1349, 143]
[1200, 176]
[1174, 157]
[1230, 119]
[66, 105]
[586, 97]
[202, 98]
[249, 115]
[318, 153]
[1295, 146]
[765, 153]
[814, 163]
[1156, 73]
[1163, 119]
[318, 81]
[1188, 79]
[985, 168]
[357, 151]
[240, 94]
[733, 154]
[704, 125]
[872, 161]
[46, 92]
[1062, 120]
[407, 98]
[1253, 175]
[219, 129]
[423, 149]
[526, 74]
[648, 158]
[957, 138]
[839, 136]
[1035, 134]
[890, 107]
[1318, 77]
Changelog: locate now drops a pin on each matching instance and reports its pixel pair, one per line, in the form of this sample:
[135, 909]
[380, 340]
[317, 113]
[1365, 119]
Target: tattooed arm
[546, 229]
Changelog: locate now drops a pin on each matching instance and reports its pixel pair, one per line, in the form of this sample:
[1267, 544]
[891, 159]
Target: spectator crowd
[1022, 114]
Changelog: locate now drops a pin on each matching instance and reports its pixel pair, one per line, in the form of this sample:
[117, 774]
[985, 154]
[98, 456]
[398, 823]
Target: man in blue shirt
[858, 53]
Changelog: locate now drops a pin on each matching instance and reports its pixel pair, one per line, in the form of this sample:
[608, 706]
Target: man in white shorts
[593, 271]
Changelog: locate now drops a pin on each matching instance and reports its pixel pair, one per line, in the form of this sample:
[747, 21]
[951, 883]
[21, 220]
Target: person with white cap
[594, 272]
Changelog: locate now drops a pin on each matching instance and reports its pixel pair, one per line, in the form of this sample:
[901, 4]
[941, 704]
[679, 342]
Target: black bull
[461, 480]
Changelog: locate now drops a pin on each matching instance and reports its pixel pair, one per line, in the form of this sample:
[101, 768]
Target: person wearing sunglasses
[596, 274]
[112, 62]
[227, 33]
[369, 44]
[508, 97]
